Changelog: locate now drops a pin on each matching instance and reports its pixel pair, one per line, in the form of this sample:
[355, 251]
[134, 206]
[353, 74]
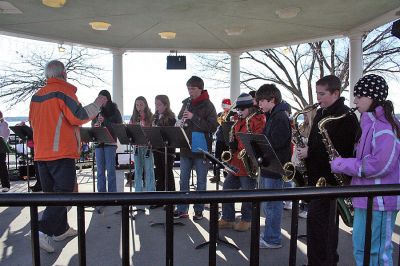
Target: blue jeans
[381, 239]
[105, 160]
[201, 167]
[273, 212]
[144, 160]
[237, 182]
[56, 176]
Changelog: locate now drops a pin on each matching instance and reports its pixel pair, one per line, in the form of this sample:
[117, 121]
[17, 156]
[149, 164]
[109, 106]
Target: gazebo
[230, 26]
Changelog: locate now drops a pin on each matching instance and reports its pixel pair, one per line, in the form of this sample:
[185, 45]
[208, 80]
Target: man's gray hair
[55, 69]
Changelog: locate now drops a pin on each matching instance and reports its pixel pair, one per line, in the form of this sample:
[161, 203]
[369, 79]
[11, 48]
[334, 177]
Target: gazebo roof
[199, 25]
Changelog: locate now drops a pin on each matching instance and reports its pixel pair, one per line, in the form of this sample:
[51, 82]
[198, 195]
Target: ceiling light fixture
[61, 49]
[288, 12]
[100, 25]
[54, 3]
[167, 35]
[234, 31]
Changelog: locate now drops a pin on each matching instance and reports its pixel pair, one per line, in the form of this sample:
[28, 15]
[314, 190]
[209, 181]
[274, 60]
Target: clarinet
[156, 119]
[181, 122]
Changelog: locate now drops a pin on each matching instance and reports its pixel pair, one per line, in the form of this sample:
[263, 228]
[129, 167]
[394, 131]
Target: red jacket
[55, 115]
[257, 125]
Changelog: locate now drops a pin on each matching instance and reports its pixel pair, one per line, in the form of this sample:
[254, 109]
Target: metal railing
[169, 198]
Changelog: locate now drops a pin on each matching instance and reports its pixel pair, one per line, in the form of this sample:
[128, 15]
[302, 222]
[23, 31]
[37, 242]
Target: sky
[144, 74]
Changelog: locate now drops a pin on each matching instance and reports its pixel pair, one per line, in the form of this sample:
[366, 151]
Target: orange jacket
[55, 115]
[257, 125]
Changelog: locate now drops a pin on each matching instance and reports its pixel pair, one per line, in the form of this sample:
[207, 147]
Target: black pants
[159, 171]
[322, 241]
[5, 179]
[56, 176]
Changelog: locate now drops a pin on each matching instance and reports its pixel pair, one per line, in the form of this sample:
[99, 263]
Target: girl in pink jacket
[376, 162]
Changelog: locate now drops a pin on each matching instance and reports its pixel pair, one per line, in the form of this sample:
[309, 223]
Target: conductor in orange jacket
[55, 115]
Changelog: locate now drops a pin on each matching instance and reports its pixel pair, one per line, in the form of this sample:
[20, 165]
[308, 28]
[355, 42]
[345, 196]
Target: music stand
[233, 170]
[260, 152]
[25, 133]
[130, 135]
[95, 134]
[172, 137]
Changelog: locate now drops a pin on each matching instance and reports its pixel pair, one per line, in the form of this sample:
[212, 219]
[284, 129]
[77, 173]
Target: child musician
[377, 162]
[249, 121]
[143, 157]
[164, 117]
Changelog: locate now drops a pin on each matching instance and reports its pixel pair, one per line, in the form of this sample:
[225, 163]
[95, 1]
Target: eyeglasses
[240, 109]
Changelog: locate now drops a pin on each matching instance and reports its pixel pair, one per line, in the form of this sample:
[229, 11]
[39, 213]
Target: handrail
[141, 198]
[214, 197]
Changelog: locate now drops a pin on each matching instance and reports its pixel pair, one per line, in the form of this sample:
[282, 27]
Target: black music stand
[95, 134]
[130, 135]
[261, 152]
[172, 137]
[218, 238]
[25, 133]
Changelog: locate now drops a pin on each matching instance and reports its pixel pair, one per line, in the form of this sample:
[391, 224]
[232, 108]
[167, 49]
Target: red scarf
[203, 96]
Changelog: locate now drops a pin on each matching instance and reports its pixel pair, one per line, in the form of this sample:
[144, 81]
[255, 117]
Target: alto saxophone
[226, 156]
[345, 206]
[330, 149]
[252, 170]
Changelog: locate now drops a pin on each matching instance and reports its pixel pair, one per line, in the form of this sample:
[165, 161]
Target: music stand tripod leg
[214, 232]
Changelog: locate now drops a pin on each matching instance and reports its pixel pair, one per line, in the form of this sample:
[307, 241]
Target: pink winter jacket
[377, 160]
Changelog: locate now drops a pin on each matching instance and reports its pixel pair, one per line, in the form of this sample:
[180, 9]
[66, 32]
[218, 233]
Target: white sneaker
[303, 214]
[70, 232]
[264, 244]
[287, 205]
[44, 242]
[5, 189]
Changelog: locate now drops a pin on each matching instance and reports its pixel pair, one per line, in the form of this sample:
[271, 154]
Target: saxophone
[252, 170]
[341, 180]
[345, 206]
[298, 141]
[226, 156]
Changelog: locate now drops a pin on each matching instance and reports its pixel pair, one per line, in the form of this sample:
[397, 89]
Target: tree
[296, 68]
[21, 79]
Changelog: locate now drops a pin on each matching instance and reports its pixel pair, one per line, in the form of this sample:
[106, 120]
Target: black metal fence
[213, 197]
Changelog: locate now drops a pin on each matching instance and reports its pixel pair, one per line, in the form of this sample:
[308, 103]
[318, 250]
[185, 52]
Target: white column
[117, 89]
[235, 75]
[356, 62]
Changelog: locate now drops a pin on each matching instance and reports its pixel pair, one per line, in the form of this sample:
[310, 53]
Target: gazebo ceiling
[199, 25]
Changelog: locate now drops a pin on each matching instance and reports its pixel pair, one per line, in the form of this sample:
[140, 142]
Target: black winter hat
[372, 86]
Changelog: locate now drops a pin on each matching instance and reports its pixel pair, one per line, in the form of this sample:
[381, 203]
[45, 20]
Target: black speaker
[396, 28]
[176, 62]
